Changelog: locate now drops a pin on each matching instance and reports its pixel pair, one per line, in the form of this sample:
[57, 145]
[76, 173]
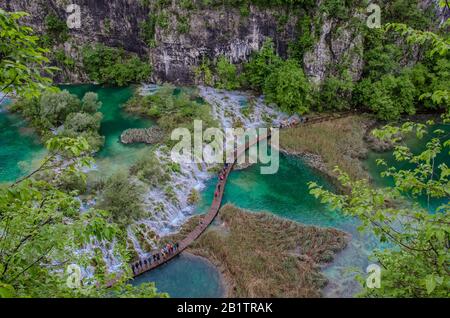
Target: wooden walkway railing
[145, 265]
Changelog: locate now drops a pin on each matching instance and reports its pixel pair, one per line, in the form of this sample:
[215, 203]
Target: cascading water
[167, 215]
[232, 108]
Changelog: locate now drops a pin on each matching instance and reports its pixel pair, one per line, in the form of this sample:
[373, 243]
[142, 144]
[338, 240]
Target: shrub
[114, 66]
[336, 93]
[261, 65]
[123, 198]
[389, 97]
[288, 87]
[227, 74]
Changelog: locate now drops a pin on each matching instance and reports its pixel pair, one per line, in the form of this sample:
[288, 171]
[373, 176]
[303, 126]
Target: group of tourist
[164, 253]
[222, 175]
[293, 122]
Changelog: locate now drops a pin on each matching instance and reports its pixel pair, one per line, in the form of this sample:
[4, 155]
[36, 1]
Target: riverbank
[323, 146]
[261, 255]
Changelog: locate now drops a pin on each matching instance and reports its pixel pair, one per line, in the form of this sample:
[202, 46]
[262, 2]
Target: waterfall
[167, 213]
[233, 107]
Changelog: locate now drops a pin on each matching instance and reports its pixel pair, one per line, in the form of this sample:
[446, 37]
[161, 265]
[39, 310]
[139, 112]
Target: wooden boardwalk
[144, 265]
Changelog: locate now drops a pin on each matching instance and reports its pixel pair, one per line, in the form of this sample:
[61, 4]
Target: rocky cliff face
[211, 32]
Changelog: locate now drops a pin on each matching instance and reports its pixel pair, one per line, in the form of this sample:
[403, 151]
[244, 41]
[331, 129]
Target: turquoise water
[416, 146]
[20, 148]
[114, 155]
[186, 276]
[286, 194]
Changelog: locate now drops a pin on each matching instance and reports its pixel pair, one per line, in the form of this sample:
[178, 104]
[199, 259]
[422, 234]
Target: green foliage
[43, 232]
[63, 60]
[203, 72]
[148, 30]
[56, 29]
[438, 52]
[381, 60]
[336, 93]
[123, 198]
[305, 40]
[150, 170]
[261, 65]
[183, 24]
[410, 12]
[90, 103]
[417, 262]
[114, 66]
[227, 74]
[172, 110]
[288, 87]
[22, 60]
[54, 109]
[337, 8]
[388, 97]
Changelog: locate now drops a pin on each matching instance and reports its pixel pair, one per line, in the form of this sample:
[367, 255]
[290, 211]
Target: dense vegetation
[416, 263]
[42, 229]
[106, 65]
[172, 109]
[389, 87]
[64, 114]
[18, 51]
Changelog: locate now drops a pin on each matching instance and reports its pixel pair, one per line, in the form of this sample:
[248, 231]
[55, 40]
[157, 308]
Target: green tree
[227, 74]
[55, 106]
[43, 231]
[336, 93]
[288, 87]
[439, 46]
[114, 66]
[417, 263]
[90, 104]
[122, 197]
[261, 65]
[22, 61]
[389, 97]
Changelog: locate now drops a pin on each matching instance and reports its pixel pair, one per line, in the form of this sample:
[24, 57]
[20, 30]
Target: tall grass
[265, 256]
[339, 142]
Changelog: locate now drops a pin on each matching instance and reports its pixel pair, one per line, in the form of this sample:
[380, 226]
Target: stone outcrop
[151, 135]
[210, 32]
[221, 30]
